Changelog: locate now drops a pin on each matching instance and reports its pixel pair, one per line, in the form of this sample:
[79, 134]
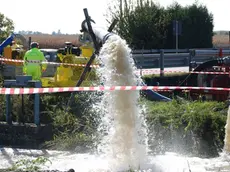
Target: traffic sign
[177, 27]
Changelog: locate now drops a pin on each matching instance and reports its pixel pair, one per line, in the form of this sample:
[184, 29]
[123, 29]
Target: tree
[174, 12]
[197, 24]
[201, 26]
[6, 27]
[145, 24]
[140, 23]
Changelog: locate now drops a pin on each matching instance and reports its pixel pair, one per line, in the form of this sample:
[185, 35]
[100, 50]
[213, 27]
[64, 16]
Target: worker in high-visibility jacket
[33, 62]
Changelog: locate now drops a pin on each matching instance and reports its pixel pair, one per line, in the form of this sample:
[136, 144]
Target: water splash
[125, 144]
[123, 129]
[227, 133]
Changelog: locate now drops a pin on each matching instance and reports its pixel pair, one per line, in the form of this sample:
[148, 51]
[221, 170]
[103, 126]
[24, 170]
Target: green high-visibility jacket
[32, 63]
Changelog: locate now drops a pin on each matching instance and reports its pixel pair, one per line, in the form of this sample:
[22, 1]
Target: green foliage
[75, 127]
[142, 22]
[145, 24]
[197, 26]
[170, 79]
[165, 75]
[71, 131]
[30, 164]
[6, 27]
[72, 128]
[199, 117]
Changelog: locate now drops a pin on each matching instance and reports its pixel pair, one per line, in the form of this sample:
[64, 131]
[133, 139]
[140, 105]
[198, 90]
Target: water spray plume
[126, 142]
[227, 133]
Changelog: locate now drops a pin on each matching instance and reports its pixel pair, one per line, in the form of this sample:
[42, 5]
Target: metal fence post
[29, 42]
[142, 61]
[37, 105]
[161, 63]
[8, 109]
[190, 60]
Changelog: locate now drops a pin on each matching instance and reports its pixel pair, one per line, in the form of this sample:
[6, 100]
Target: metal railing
[145, 59]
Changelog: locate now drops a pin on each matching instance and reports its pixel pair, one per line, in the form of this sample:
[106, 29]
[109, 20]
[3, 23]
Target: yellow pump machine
[13, 51]
[66, 75]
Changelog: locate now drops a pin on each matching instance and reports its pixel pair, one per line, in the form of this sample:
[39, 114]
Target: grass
[190, 115]
[29, 164]
[78, 126]
[167, 74]
[36, 164]
[71, 131]
[205, 120]
[169, 79]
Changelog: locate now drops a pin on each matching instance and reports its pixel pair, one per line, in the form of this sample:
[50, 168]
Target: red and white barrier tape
[167, 71]
[214, 73]
[52, 63]
[148, 71]
[144, 71]
[101, 88]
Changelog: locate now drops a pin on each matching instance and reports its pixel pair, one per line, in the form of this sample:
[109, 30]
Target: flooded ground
[63, 161]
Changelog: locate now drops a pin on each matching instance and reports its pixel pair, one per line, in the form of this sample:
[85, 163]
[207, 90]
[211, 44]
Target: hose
[193, 76]
[201, 67]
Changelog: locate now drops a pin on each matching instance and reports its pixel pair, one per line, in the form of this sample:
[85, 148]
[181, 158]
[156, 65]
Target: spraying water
[126, 142]
[123, 129]
[227, 133]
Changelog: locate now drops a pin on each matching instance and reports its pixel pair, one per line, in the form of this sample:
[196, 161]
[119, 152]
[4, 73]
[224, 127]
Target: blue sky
[51, 15]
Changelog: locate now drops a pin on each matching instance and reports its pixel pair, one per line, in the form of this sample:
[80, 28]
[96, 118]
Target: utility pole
[176, 36]
[177, 30]
[229, 39]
